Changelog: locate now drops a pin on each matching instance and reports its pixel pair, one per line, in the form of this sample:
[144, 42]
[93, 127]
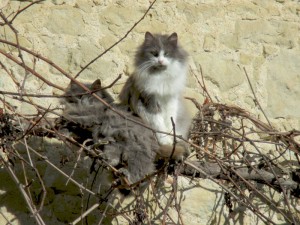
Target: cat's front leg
[157, 122]
[171, 113]
[164, 139]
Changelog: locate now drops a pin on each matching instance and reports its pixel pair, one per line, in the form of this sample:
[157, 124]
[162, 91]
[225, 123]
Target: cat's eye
[166, 53]
[154, 53]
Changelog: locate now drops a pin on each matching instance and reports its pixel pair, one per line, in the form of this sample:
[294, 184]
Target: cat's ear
[148, 36]
[173, 38]
[72, 85]
[96, 85]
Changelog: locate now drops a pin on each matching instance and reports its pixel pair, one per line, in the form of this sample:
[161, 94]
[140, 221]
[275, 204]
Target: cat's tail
[178, 152]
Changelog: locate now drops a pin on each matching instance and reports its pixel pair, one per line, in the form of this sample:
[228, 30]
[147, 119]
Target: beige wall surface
[222, 38]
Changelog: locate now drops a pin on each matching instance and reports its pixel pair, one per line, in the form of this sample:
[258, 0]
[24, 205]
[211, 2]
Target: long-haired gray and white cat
[154, 91]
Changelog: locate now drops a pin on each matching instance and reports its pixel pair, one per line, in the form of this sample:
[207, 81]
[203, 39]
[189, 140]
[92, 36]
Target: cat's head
[158, 52]
[74, 93]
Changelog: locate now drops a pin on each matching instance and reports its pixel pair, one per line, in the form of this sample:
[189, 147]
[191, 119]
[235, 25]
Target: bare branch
[116, 43]
[30, 70]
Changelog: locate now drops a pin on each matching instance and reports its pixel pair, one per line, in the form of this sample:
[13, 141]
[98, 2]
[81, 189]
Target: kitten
[154, 91]
[129, 147]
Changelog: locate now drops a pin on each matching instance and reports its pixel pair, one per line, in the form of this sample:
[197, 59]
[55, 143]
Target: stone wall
[221, 36]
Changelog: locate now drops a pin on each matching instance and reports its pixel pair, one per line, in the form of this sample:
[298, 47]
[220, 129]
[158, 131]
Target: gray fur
[133, 96]
[131, 147]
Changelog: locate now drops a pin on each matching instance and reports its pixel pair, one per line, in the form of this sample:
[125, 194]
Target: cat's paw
[178, 152]
[164, 139]
[124, 173]
[184, 148]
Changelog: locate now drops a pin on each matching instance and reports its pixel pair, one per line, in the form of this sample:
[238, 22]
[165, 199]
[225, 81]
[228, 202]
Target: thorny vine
[229, 148]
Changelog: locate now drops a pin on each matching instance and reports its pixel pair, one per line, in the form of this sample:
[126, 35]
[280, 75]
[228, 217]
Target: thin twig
[59, 96]
[59, 170]
[283, 191]
[203, 86]
[30, 70]
[91, 209]
[116, 43]
[18, 47]
[256, 99]
[77, 160]
[23, 9]
[51, 63]
[31, 207]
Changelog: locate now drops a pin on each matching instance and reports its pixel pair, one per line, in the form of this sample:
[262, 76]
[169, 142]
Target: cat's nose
[161, 61]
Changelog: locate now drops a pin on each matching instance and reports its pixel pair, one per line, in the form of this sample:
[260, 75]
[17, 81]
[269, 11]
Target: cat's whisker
[145, 66]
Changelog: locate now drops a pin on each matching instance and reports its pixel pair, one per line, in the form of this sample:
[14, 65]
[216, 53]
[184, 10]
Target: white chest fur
[165, 83]
[166, 86]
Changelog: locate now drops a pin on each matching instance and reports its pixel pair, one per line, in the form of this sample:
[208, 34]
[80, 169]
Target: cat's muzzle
[159, 67]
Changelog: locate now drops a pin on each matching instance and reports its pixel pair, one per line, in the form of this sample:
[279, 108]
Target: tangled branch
[246, 157]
